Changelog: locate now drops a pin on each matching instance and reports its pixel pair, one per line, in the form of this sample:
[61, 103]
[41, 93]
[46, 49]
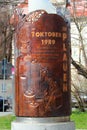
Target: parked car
[6, 104]
[75, 103]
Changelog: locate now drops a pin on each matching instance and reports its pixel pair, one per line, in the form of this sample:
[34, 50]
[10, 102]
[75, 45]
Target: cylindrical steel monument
[42, 76]
[42, 68]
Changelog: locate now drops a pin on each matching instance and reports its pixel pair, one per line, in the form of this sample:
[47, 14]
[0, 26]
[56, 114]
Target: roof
[78, 8]
[23, 8]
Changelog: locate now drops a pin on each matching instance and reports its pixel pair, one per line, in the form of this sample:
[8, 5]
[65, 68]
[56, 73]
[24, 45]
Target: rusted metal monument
[42, 75]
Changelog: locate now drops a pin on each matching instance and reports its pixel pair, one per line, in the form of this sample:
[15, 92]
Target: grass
[5, 122]
[80, 119]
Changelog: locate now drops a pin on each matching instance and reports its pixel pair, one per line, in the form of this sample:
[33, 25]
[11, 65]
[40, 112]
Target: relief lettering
[64, 57]
[64, 36]
[64, 77]
[47, 34]
[65, 66]
[48, 42]
[65, 87]
[64, 47]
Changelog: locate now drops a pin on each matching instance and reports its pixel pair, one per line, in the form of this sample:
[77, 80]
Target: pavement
[12, 113]
[6, 113]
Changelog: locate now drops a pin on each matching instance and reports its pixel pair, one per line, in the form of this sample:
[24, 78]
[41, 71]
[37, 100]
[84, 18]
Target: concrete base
[29, 125]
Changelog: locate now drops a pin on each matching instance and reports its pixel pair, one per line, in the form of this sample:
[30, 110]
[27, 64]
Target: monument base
[32, 124]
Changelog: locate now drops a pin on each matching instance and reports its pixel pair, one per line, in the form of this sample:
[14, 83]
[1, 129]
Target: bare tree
[79, 19]
[6, 30]
[5, 34]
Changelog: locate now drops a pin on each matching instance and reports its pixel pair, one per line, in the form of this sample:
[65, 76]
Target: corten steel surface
[42, 77]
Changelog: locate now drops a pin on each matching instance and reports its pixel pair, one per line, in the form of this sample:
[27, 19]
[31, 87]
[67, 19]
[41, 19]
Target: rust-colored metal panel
[42, 80]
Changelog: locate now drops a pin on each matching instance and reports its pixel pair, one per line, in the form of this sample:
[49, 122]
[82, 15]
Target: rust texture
[42, 77]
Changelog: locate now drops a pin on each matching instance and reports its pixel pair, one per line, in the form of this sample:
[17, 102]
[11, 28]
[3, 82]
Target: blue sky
[41, 4]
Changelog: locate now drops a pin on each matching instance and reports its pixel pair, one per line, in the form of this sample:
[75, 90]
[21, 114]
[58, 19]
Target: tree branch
[81, 69]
